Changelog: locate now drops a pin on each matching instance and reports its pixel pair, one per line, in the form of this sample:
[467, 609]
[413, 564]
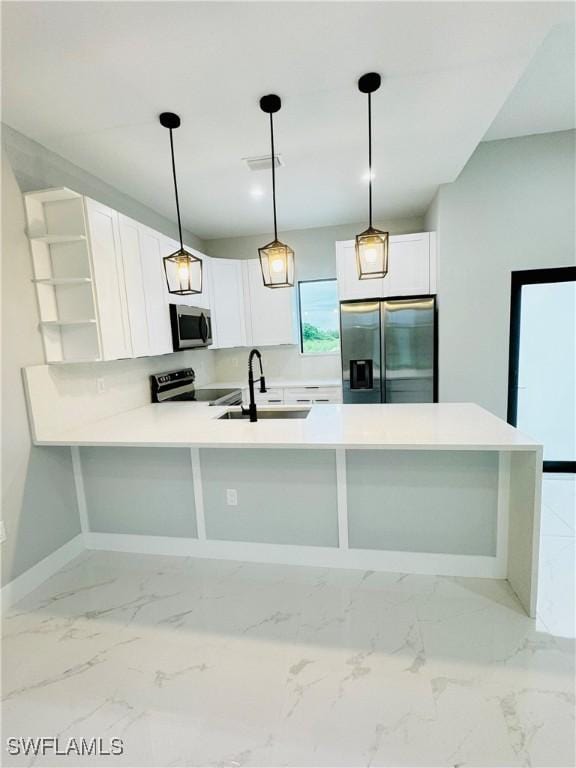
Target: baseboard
[28, 581]
[287, 554]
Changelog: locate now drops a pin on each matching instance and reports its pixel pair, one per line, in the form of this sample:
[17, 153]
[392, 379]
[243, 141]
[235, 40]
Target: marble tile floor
[211, 663]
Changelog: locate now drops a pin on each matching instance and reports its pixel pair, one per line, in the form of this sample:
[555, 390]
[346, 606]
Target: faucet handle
[262, 384]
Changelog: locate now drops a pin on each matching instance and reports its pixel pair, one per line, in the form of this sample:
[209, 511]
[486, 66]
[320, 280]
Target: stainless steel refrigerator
[389, 350]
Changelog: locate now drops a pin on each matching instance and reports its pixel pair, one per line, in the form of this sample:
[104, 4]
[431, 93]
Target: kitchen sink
[288, 413]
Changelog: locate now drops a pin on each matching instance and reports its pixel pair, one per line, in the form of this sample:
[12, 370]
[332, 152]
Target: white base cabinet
[302, 395]
[411, 269]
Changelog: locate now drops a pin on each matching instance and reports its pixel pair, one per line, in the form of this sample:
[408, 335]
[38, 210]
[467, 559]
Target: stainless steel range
[174, 386]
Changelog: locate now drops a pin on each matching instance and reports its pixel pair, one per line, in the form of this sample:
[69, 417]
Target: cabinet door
[134, 280]
[158, 315]
[109, 287]
[270, 311]
[409, 265]
[313, 394]
[349, 285]
[227, 298]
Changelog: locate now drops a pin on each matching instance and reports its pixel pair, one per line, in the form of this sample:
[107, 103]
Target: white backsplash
[279, 363]
[66, 396]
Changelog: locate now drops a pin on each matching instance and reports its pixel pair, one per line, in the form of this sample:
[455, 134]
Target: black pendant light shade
[183, 270]
[276, 258]
[372, 244]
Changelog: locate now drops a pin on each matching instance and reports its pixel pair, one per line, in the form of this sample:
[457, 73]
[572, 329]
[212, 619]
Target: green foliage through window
[319, 317]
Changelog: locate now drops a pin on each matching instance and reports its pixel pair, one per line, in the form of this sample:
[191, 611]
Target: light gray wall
[36, 167]
[139, 490]
[284, 496]
[315, 255]
[423, 501]
[511, 208]
[38, 497]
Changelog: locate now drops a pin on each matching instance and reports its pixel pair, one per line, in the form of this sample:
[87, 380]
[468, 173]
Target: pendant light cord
[370, 159]
[176, 190]
[273, 175]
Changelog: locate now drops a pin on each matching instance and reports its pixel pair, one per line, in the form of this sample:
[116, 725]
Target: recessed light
[257, 192]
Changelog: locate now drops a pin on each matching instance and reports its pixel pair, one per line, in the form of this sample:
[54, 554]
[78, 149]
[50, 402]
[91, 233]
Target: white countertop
[443, 426]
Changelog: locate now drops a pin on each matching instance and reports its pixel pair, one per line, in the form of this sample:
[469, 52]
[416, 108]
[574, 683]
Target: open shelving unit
[63, 275]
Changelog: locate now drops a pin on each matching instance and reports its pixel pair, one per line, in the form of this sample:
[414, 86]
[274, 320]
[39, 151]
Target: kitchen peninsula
[446, 489]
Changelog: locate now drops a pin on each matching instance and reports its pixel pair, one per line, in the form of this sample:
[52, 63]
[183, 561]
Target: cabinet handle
[306, 400]
[325, 400]
[274, 401]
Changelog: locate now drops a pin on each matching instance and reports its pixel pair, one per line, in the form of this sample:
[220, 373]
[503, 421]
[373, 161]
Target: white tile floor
[204, 663]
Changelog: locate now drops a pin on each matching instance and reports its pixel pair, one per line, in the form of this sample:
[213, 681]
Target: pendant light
[183, 269]
[372, 244]
[276, 259]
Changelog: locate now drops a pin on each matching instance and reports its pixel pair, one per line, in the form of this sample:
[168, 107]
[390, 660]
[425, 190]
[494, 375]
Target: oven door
[191, 327]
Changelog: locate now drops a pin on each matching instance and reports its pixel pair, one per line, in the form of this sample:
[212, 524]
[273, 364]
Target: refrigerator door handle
[383, 366]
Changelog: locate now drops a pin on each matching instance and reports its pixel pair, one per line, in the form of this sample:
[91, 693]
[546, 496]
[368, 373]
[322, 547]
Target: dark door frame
[519, 279]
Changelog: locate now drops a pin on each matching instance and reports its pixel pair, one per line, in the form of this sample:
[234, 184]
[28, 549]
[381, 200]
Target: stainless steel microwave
[191, 327]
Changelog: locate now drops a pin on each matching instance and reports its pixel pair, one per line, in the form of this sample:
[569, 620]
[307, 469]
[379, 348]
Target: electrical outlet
[101, 385]
[232, 497]
[2, 531]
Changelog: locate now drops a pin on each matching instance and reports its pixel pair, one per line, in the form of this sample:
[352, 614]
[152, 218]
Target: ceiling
[87, 80]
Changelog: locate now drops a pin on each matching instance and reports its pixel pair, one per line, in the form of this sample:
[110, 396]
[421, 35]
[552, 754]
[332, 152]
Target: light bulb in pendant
[370, 255]
[184, 272]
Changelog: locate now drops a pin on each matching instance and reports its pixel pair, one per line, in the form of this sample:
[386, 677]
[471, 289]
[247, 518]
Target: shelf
[62, 280]
[54, 239]
[53, 195]
[67, 322]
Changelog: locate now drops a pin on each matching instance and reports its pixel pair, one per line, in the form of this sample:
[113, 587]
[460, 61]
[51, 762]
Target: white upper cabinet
[109, 284]
[102, 291]
[408, 266]
[270, 312]
[134, 282]
[349, 286]
[227, 295]
[154, 280]
[411, 269]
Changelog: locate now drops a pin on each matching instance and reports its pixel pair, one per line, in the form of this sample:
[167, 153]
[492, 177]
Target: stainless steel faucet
[252, 411]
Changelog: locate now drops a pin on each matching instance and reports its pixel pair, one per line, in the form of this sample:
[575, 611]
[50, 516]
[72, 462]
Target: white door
[349, 285]
[111, 304]
[158, 315]
[228, 321]
[408, 266]
[136, 297]
[270, 312]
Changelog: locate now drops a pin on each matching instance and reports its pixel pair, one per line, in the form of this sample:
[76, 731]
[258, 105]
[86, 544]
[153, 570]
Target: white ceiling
[87, 80]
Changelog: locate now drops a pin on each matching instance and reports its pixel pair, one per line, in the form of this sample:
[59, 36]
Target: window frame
[300, 329]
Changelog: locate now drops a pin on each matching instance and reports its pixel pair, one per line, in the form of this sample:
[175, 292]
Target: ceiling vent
[263, 163]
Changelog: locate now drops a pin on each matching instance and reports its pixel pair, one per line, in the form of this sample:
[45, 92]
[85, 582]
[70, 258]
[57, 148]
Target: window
[319, 317]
